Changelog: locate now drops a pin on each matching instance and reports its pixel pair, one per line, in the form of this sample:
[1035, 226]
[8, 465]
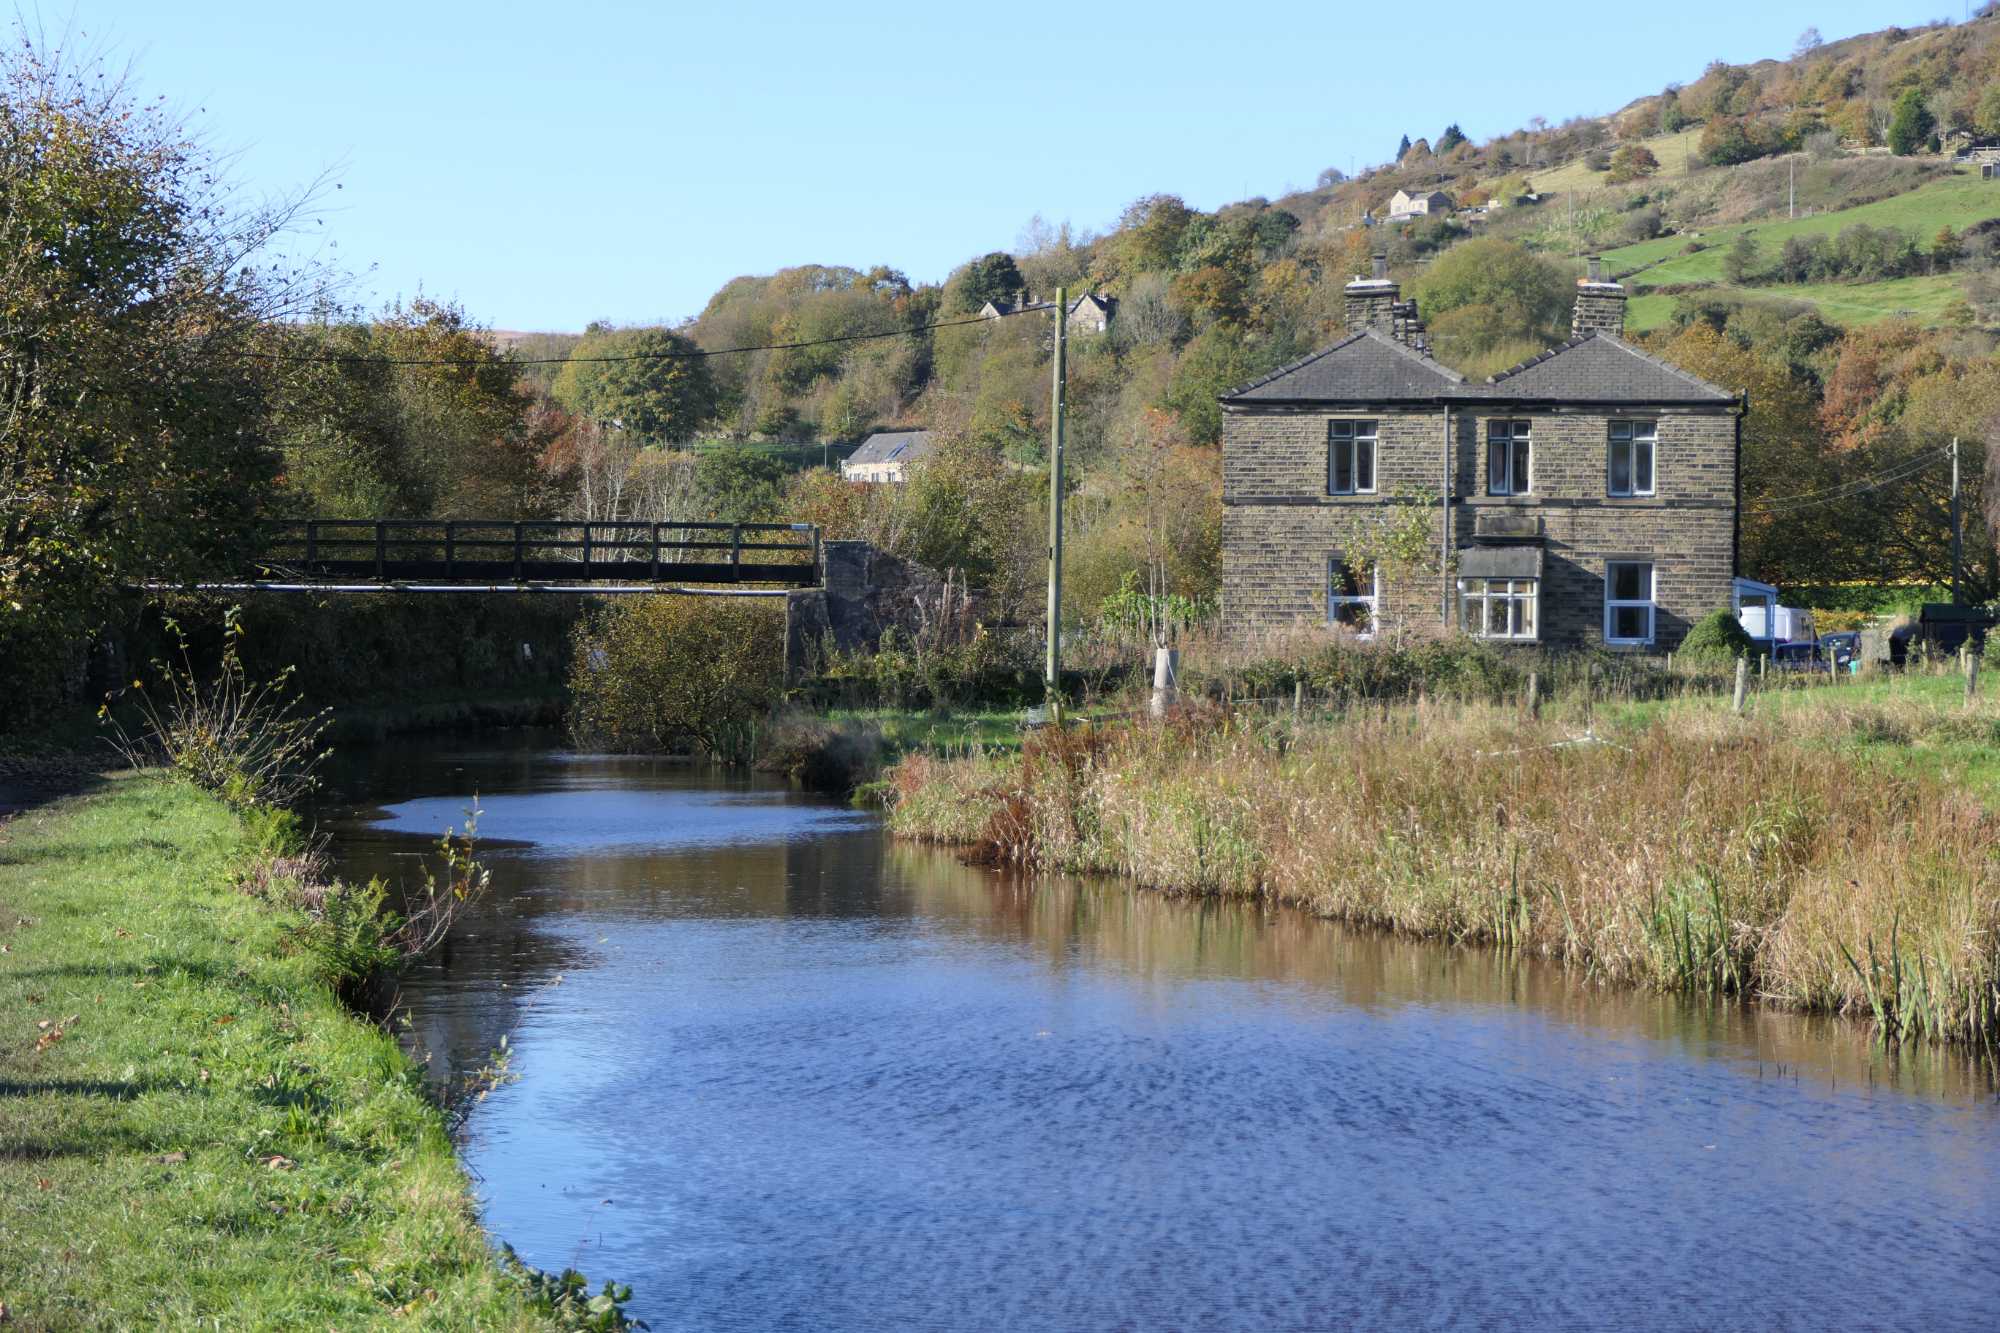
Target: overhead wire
[310, 358]
[1898, 472]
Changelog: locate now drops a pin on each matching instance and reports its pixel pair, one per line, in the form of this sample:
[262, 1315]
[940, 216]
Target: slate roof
[1598, 368]
[1364, 367]
[1372, 367]
[892, 446]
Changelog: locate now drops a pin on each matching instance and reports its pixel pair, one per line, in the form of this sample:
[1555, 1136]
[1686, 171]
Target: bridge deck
[497, 551]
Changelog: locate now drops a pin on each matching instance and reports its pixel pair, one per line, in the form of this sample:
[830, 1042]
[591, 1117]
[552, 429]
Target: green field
[1924, 299]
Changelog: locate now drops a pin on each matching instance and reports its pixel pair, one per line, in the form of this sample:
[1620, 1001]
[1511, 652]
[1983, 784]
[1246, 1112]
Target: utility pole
[1052, 678]
[1791, 187]
[1957, 532]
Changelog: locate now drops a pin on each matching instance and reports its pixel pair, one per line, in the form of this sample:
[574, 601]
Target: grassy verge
[1683, 848]
[193, 1130]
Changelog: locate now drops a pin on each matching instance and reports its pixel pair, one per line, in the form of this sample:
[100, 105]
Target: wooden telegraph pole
[1957, 533]
[1053, 676]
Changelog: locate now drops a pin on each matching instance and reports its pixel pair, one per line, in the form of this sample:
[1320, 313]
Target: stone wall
[864, 591]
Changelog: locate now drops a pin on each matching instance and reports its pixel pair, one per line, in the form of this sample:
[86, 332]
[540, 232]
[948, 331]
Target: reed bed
[1696, 851]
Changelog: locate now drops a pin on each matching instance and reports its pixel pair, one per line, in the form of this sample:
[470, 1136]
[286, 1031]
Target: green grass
[1912, 724]
[1924, 299]
[1958, 202]
[193, 1130]
[1676, 153]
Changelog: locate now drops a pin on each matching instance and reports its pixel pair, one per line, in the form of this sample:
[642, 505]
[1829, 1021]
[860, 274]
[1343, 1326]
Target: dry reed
[1701, 853]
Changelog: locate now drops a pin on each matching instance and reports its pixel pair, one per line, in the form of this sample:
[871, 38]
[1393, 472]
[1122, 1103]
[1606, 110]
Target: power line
[1899, 472]
[697, 354]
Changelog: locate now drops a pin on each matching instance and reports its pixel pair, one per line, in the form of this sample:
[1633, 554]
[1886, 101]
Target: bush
[246, 740]
[1717, 637]
[674, 672]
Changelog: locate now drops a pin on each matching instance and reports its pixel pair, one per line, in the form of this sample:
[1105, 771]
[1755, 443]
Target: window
[1628, 601]
[1507, 458]
[1632, 449]
[1352, 596]
[1497, 608]
[1350, 457]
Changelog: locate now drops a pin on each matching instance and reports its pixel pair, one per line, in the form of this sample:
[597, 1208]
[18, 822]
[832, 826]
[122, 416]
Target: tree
[1740, 264]
[1631, 162]
[1911, 123]
[991, 277]
[1946, 249]
[1452, 137]
[1986, 118]
[132, 396]
[1731, 139]
[1489, 296]
[415, 414]
[1330, 177]
[1809, 41]
[1403, 148]
[652, 382]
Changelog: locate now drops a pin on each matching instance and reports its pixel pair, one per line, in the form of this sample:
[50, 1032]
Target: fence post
[1971, 675]
[517, 552]
[381, 548]
[1742, 683]
[312, 543]
[736, 552]
[1534, 696]
[654, 564]
[450, 550]
[586, 551]
[1298, 699]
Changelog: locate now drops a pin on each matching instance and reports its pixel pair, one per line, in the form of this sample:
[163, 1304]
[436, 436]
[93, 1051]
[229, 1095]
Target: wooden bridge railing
[542, 551]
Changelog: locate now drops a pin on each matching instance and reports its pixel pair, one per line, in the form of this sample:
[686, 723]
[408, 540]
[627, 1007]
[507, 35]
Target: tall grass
[1692, 851]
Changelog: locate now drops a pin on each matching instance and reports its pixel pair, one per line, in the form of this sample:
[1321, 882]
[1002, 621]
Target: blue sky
[550, 164]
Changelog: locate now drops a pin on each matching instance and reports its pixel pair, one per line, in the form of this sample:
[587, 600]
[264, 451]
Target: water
[778, 1072]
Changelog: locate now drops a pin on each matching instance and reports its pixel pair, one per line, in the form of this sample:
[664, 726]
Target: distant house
[886, 456]
[1403, 205]
[1091, 313]
[1000, 309]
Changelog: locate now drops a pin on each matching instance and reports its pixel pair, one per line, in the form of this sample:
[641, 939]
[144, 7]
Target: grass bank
[193, 1130]
[1684, 848]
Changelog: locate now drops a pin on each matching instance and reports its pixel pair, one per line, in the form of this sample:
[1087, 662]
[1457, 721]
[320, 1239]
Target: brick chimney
[1372, 301]
[1600, 304]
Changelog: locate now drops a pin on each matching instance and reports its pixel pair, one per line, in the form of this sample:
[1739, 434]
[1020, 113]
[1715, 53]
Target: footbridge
[367, 554]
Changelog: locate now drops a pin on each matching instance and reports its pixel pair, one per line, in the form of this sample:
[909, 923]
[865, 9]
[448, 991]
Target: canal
[777, 1071]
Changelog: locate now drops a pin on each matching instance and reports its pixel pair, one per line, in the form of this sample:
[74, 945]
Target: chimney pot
[1380, 267]
[1596, 263]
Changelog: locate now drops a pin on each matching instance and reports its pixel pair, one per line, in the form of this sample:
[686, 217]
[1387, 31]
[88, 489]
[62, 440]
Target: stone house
[1088, 314]
[886, 456]
[1403, 204]
[1585, 497]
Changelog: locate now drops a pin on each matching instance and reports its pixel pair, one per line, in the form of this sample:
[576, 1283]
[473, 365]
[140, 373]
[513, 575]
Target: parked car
[1842, 649]
[1798, 657]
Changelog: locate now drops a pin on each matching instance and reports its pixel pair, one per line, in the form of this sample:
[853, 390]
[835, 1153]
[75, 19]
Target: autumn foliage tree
[133, 312]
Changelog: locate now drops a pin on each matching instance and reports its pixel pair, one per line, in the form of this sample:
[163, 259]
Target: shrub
[1717, 637]
[673, 672]
[248, 741]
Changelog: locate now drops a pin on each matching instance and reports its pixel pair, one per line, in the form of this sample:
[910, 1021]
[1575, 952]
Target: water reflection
[779, 1072]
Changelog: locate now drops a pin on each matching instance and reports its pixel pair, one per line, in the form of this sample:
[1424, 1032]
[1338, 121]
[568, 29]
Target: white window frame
[1487, 592]
[1613, 604]
[1352, 433]
[1635, 432]
[1370, 577]
[1511, 432]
